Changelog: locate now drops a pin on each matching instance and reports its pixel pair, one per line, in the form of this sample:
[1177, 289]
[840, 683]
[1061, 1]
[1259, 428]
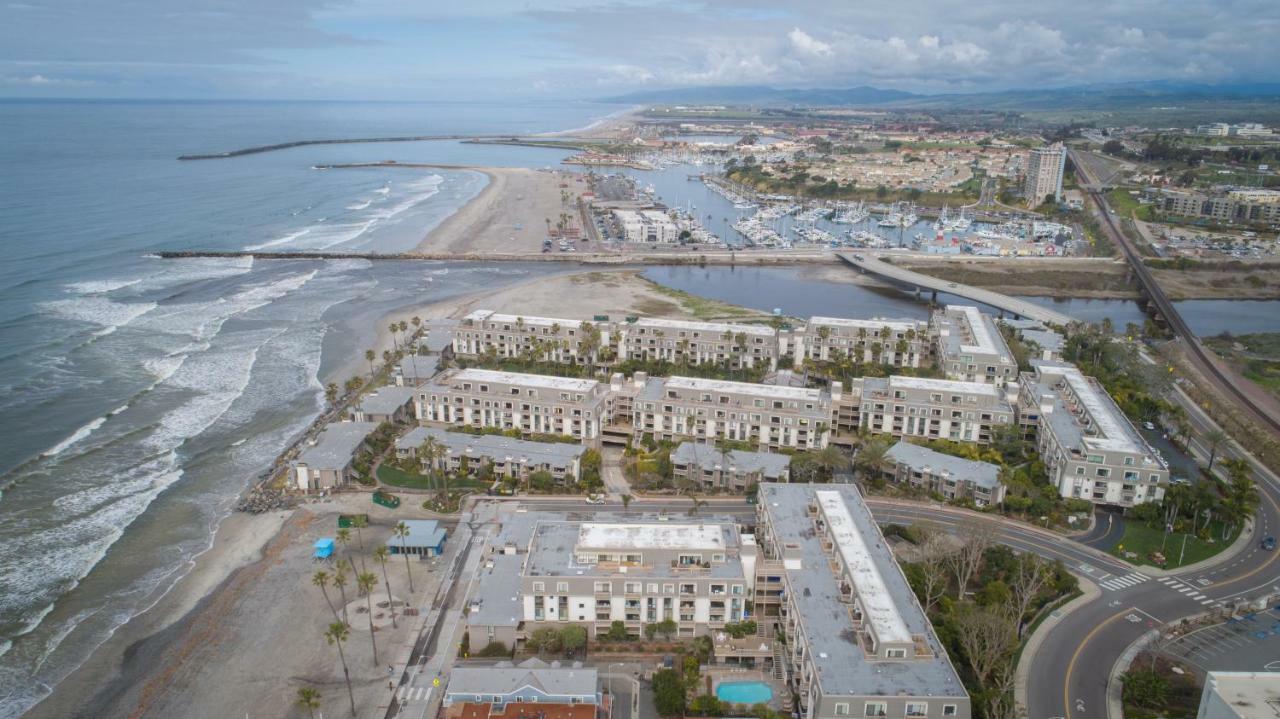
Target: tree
[546, 639]
[336, 635]
[359, 522]
[401, 530]
[617, 632]
[368, 581]
[1029, 577]
[370, 355]
[668, 693]
[572, 639]
[666, 627]
[976, 536]
[340, 581]
[934, 557]
[626, 502]
[1145, 688]
[1214, 438]
[330, 395]
[872, 457]
[381, 553]
[308, 699]
[321, 580]
[987, 636]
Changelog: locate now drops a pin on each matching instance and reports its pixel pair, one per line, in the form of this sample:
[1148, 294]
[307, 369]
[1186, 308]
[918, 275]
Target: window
[603, 587]
[653, 588]
[949, 710]
[876, 709]
[917, 709]
[896, 653]
[633, 587]
[562, 587]
[842, 709]
[539, 587]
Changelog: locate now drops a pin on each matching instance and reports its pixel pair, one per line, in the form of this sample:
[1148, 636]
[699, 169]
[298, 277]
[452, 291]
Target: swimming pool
[744, 692]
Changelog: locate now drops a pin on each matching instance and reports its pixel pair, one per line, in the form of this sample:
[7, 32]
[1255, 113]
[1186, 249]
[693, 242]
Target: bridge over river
[871, 263]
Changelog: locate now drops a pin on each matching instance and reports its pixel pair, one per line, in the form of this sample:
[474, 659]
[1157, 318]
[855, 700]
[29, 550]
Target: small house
[324, 548]
[426, 539]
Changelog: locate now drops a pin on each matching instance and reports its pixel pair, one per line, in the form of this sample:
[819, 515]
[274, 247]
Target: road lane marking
[1075, 656]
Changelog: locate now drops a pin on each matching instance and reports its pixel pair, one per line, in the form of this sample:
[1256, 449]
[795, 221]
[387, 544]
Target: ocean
[139, 396]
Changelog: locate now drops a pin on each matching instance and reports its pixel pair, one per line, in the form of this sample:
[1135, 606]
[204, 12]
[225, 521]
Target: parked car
[1269, 544]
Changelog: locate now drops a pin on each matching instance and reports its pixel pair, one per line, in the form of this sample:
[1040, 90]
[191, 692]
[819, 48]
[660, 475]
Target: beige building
[735, 470]
[771, 416]
[721, 343]
[508, 456]
[901, 343]
[327, 462]
[858, 642]
[1089, 447]
[1243, 206]
[545, 338]
[646, 226]
[970, 347]
[530, 403]
[951, 477]
[1044, 174]
[933, 408]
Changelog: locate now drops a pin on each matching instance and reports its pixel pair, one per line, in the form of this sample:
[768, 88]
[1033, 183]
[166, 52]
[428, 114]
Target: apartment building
[328, 461]
[532, 689]
[596, 573]
[933, 408]
[901, 343]
[735, 470]
[735, 345]
[1090, 449]
[1244, 206]
[508, 456]
[485, 331]
[530, 403]
[646, 226]
[858, 643]
[1044, 174]
[952, 477]
[771, 416]
[970, 347]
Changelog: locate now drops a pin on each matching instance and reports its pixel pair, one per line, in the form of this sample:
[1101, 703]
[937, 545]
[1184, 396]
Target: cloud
[805, 44]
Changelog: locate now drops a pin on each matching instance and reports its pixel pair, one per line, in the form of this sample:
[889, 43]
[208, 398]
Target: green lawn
[1143, 540]
[1126, 205]
[398, 478]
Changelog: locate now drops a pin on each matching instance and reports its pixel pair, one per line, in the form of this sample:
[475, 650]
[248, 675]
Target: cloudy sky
[492, 49]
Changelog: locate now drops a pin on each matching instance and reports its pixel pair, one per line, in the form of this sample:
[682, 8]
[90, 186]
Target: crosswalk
[408, 694]
[1116, 584]
[1187, 591]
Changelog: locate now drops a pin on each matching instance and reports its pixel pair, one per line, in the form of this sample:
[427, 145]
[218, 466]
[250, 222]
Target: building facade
[970, 347]
[900, 343]
[770, 416]
[687, 341]
[543, 338]
[1090, 449]
[508, 456]
[646, 226]
[951, 477]
[735, 470]
[858, 642]
[1231, 206]
[529, 403]
[328, 462]
[1044, 174]
[933, 408]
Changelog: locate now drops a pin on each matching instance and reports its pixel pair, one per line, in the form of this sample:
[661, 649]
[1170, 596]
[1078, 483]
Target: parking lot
[1250, 643]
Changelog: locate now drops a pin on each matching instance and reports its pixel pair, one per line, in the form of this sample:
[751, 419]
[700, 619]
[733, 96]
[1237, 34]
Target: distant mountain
[1097, 96]
[762, 95]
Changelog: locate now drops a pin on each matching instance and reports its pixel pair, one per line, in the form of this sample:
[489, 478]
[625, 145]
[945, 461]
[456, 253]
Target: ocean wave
[108, 314]
[280, 240]
[360, 205]
[78, 435]
[100, 287]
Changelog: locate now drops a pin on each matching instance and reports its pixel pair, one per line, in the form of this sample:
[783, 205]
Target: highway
[873, 264]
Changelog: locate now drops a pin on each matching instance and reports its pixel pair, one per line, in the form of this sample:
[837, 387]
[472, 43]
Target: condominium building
[646, 226]
[933, 408]
[596, 573]
[722, 343]
[1261, 206]
[858, 642]
[328, 461]
[710, 468]
[1090, 449]
[530, 403]
[532, 689]
[508, 456]
[1240, 695]
[487, 332]
[1044, 174]
[970, 346]
[944, 474]
[901, 343]
[771, 416]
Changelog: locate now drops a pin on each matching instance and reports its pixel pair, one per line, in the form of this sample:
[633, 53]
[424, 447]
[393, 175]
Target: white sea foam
[280, 240]
[108, 314]
[360, 205]
[100, 287]
[78, 435]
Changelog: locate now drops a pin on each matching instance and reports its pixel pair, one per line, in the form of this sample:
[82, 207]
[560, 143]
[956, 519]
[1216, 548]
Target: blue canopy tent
[324, 548]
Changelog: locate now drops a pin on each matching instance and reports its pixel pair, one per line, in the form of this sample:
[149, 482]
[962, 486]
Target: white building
[1044, 174]
[530, 403]
[736, 345]
[1240, 695]
[970, 346]
[901, 343]
[646, 226]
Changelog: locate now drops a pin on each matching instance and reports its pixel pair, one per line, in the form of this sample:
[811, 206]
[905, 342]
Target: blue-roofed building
[324, 548]
[426, 539]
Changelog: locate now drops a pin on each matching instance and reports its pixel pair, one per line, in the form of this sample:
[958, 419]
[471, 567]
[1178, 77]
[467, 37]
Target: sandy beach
[511, 213]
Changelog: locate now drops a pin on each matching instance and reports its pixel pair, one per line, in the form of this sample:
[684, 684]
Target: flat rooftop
[651, 536]
[772, 391]
[552, 545]
[878, 605]
[944, 385]
[567, 384]
[842, 666]
[528, 320]
[1250, 695]
[496, 599]
[1114, 431]
[901, 325]
[982, 335]
[718, 328]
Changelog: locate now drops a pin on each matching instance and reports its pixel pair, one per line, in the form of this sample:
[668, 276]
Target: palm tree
[331, 392]
[321, 579]
[340, 581]
[337, 634]
[360, 522]
[430, 452]
[367, 582]
[395, 341]
[308, 699]
[697, 504]
[381, 554]
[871, 457]
[371, 356]
[626, 502]
[402, 531]
[1214, 438]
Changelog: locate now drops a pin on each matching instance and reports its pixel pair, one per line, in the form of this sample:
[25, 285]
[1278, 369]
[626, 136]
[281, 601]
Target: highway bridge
[873, 264]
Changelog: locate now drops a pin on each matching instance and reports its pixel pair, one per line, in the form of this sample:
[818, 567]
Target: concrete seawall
[690, 258]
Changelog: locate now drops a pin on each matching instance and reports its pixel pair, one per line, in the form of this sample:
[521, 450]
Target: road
[873, 264]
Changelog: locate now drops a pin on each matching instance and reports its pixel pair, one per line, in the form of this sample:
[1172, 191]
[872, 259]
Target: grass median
[1145, 541]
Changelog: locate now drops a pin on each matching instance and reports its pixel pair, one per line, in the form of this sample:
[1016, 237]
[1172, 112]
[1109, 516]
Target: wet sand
[510, 215]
